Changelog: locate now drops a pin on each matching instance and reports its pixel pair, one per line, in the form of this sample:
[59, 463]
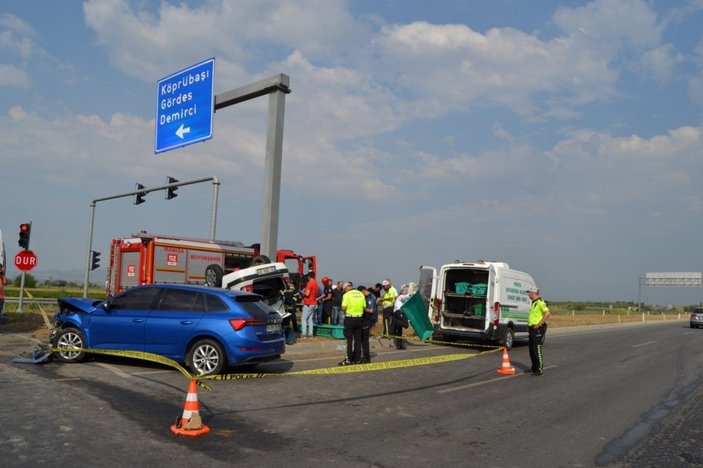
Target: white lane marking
[114, 370]
[644, 344]
[497, 379]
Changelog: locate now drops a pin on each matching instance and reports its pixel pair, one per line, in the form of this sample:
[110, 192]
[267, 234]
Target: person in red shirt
[309, 306]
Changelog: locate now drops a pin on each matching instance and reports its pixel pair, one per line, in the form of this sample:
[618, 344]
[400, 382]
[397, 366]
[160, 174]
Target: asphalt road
[619, 396]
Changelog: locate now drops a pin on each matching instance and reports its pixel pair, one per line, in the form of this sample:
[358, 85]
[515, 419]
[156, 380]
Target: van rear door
[427, 287]
[492, 297]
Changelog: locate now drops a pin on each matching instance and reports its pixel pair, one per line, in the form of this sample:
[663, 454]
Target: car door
[119, 322]
[170, 325]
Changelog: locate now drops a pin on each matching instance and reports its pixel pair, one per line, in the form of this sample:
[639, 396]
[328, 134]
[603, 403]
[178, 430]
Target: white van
[483, 301]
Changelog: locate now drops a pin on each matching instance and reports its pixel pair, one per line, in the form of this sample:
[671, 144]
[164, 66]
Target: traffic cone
[506, 368]
[190, 424]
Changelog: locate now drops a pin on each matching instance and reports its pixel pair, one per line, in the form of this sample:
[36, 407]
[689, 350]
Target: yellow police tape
[44, 316]
[375, 366]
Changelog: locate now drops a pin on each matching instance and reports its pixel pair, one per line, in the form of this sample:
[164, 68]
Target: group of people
[358, 309]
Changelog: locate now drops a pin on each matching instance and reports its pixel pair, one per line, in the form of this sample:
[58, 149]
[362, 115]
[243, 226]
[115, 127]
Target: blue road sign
[184, 107]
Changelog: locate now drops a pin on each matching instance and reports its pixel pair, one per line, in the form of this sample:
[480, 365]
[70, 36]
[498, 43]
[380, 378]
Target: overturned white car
[269, 280]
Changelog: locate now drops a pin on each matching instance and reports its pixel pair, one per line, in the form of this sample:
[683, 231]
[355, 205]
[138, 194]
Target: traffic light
[171, 191]
[139, 197]
[25, 233]
[94, 259]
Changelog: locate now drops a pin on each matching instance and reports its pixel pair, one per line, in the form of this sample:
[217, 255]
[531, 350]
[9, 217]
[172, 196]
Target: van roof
[480, 264]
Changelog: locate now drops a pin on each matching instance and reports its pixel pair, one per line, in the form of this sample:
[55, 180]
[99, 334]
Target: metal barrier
[39, 300]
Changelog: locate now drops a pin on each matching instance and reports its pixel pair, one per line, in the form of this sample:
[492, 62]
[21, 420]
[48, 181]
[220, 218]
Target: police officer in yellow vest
[537, 328]
[353, 304]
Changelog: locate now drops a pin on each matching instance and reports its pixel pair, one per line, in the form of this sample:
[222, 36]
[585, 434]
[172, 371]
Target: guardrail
[26, 300]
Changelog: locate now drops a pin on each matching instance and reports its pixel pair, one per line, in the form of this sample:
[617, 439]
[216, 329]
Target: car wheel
[206, 357]
[509, 338]
[213, 276]
[71, 338]
[260, 260]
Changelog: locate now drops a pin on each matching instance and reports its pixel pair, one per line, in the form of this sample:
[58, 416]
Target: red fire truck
[146, 258]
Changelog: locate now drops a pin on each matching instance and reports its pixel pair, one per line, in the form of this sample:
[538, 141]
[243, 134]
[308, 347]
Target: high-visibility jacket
[353, 303]
[537, 311]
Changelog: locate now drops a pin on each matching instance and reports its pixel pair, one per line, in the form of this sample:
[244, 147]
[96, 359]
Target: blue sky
[562, 137]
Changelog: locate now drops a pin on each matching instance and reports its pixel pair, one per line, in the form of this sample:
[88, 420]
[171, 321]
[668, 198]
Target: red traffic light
[24, 235]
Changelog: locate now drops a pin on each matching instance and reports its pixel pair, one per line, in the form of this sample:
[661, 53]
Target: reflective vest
[537, 311]
[353, 303]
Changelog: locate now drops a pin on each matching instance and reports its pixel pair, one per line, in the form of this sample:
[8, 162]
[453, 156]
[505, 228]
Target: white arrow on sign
[182, 131]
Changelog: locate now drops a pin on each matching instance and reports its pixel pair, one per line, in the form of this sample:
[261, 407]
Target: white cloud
[659, 63]
[141, 41]
[630, 172]
[613, 24]
[13, 77]
[15, 40]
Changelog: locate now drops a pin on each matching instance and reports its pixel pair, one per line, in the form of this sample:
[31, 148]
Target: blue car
[208, 329]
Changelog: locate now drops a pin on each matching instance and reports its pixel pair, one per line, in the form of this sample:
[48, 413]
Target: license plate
[263, 271]
[273, 328]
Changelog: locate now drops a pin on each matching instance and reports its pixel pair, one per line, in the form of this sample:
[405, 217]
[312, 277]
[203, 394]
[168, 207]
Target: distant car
[208, 329]
[697, 317]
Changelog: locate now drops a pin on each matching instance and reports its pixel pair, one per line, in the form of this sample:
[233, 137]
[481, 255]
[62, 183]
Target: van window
[466, 282]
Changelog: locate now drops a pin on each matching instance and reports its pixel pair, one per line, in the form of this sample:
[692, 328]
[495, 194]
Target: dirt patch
[569, 320]
[26, 322]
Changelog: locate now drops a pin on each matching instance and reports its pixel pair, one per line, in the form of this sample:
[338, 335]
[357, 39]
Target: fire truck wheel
[206, 357]
[260, 260]
[70, 338]
[213, 275]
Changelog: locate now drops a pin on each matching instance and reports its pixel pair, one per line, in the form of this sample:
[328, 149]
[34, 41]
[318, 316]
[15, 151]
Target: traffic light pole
[145, 190]
[24, 239]
[20, 304]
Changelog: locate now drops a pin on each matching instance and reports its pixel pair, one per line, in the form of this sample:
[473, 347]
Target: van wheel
[213, 276]
[260, 260]
[509, 338]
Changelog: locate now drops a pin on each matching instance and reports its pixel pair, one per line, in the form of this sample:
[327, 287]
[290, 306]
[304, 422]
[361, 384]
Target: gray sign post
[276, 87]
[669, 279]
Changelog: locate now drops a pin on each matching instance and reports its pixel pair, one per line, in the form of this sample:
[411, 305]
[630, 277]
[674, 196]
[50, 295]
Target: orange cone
[506, 368]
[190, 424]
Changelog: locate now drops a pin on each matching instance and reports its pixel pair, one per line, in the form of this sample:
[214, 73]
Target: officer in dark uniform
[369, 320]
[353, 304]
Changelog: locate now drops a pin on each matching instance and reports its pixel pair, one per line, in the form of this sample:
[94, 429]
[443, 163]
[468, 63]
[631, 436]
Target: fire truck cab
[298, 266]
